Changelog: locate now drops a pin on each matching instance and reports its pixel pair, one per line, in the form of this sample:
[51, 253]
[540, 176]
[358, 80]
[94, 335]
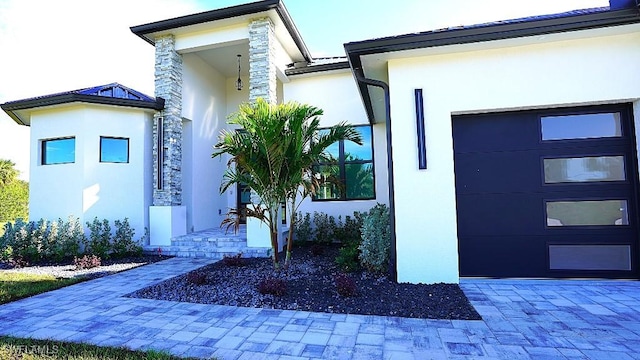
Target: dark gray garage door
[547, 193]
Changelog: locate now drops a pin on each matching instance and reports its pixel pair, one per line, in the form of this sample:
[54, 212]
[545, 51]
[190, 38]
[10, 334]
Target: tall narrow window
[114, 150]
[59, 151]
[351, 177]
[160, 154]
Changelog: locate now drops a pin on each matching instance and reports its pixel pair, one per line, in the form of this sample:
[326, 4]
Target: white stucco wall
[204, 108]
[337, 95]
[209, 38]
[88, 188]
[549, 74]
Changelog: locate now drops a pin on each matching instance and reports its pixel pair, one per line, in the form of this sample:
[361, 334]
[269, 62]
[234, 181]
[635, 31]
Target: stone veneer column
[262, 84]
[167, 216]
[262, 57]
[168, 84]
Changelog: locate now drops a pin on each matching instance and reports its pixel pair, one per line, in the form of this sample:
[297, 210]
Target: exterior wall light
[239, 81]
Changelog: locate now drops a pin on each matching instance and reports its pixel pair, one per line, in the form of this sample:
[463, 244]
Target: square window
[114, 150]
[351, 176]
[59, 151]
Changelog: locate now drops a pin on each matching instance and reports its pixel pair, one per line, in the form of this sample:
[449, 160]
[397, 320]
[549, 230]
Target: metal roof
[111, 94]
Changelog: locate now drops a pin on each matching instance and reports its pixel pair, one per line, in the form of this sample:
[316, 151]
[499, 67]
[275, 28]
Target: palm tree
[8, 172]
[274, 156]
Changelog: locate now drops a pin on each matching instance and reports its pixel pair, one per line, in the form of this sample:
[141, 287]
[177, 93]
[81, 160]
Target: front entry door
[547, 193]
[243, 199]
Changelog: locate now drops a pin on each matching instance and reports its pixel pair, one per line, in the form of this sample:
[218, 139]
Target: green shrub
[39, 239]
[25, 250]
[27, 242]
[99, 243]
[52, 248]
[303, 231]
[70, 238]
[375, 248]
[347, 258]
[325, 226]
[6, 253]
[123, 243]
[5, 246]
[349, 231]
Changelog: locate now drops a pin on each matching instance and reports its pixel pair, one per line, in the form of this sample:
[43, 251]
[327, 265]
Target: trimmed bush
[99, 243]
[325, 227]
[28, 242]
[350, 230]
[70, 238]
[303, 231]
[19, 237]
[347, 258]
[123, 243]
[375, 249]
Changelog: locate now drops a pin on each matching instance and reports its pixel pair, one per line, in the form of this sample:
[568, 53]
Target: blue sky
[53, 46]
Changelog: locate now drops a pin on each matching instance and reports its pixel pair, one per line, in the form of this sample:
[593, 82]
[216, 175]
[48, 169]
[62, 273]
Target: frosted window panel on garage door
[586, 213]
[584, 169]
[590, 257]
[583, 126]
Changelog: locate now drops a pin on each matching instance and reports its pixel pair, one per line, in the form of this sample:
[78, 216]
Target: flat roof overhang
[20, 110]
[403, 45]
[148, 31]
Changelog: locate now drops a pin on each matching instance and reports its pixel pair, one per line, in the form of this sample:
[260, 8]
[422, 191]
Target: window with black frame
[351, 175]
[114, 150]
[58, 151]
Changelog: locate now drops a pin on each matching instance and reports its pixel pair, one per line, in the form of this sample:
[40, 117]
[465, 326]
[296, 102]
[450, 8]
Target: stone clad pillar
[167, 218]
[262, 84]
[262, 61]
[168, 124]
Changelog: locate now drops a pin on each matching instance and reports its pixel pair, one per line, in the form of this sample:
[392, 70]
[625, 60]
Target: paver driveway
[523, 319]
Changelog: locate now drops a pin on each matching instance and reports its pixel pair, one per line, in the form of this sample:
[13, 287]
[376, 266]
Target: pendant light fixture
[239, 81]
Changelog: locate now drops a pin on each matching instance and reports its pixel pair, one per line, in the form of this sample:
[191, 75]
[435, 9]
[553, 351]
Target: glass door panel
[584, 169]
[587, 213]
[582, 126]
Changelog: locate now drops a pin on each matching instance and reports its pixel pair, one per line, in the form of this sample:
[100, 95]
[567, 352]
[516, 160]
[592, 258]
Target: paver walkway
[526, 319]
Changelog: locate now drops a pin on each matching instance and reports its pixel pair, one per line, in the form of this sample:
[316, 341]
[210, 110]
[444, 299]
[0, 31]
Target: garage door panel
[502, 256]
[509, 132]
[553, 205]
[500, 214]
[497, 172]
[528, 214]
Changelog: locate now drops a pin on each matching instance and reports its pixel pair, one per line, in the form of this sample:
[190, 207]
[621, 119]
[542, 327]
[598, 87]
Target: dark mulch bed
[311, 286]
